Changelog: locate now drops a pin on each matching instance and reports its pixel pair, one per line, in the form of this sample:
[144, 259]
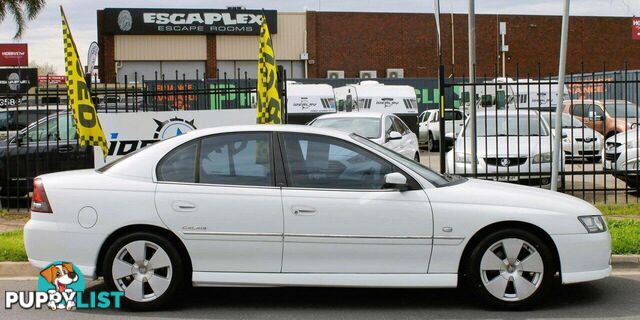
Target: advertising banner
[52, 80]
[129, 131]
[177, 95]
[635, 29]
[17, 81]
[14, 55]
[187, 21]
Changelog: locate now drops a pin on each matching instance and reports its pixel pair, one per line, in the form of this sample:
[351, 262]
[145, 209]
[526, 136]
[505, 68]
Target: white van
[502, 93]
[374, 96]
[310, 98]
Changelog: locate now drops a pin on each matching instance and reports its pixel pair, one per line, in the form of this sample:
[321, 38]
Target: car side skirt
[212, 279]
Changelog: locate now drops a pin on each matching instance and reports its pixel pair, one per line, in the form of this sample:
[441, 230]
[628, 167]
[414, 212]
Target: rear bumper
[584, 257]
[45, 243]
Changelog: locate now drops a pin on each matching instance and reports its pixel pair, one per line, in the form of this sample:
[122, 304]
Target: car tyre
[147, 267]
[511, 269]
[431, 143]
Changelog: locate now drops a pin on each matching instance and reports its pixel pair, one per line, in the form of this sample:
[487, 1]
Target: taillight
[39, 201]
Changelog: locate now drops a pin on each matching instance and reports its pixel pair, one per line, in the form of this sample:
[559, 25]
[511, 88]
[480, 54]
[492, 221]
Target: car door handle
[183, 206]
[303, 211]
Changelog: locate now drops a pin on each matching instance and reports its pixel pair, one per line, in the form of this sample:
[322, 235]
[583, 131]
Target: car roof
[270, 128]
[355, 114]
[504, 113]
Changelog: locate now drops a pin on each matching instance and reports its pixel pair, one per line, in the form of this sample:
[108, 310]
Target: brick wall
[376, 41]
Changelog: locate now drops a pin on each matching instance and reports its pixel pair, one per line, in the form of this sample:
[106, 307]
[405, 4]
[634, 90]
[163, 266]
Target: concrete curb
[25, 269]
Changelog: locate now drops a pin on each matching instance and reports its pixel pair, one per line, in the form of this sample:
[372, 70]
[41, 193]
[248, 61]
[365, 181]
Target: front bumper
[526, 173]
[584, 257]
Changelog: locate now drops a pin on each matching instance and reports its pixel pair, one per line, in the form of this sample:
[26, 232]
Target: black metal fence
[515, 119]
[38, 136]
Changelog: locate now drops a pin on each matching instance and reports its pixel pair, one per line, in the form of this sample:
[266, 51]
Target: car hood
[519, 196]
[498, 146]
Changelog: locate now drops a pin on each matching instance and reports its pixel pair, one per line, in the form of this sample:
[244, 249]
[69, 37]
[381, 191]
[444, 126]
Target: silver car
[579, 142]
[622, 156]
[512, 146]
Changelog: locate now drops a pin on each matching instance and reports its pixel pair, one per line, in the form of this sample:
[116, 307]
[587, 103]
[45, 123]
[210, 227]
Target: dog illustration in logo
[60, 276]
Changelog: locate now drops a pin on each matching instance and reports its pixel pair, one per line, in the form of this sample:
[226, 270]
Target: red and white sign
[14, 55]
[635, 29]
[51, 79]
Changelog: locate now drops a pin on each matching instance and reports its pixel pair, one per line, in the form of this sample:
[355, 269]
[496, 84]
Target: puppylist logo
[61, 286]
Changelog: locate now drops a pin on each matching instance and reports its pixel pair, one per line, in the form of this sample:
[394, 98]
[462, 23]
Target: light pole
[557, 139]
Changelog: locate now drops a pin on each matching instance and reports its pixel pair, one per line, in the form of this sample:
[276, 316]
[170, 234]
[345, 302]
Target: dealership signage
[16, 81]
[14, 54]
[127, 132]
[52, 79]
[635, 29]
[187, 21]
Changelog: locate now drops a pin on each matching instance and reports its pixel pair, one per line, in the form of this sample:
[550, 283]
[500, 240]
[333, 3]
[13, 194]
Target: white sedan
[304, 206]
[383, 128]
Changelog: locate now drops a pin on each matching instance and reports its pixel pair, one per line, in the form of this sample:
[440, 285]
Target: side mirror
[394, 135]
[564, 135]
[395, 180]
[18, 139]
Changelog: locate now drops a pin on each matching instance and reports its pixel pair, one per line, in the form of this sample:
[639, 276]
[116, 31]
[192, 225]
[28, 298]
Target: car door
[67, 151]
[339, 218]
[218, 194]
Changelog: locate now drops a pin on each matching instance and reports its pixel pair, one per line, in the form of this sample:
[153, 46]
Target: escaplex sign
[187, 21]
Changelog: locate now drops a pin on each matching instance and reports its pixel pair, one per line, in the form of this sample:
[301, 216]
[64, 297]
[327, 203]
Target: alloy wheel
[142, 270]
[511, 269]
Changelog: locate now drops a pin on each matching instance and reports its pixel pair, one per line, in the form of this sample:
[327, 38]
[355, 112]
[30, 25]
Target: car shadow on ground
[612, 297]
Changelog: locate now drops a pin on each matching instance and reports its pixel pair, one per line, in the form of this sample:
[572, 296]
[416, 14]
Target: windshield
[452, 115]
[367, 127]
[435, 178]
[511, 125]
[622, 109]
[568, 121]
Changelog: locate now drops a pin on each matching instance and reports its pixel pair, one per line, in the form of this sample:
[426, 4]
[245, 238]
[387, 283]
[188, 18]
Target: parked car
[16, 118]
[429, 126]
[47, 145]
[594, 115]
[578, 142]
[284, 205]
[622, 157]
[623, 109]
[383, 128]
[511, 146]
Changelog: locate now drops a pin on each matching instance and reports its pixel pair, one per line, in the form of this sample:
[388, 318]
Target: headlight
[541, 158]
[593, 224]
[463, 157]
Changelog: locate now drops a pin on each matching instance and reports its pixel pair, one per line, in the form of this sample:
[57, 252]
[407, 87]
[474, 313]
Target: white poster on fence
[130, 131]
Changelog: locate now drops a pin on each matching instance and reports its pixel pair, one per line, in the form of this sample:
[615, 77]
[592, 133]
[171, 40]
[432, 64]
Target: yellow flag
[269, 103]
[84, 112]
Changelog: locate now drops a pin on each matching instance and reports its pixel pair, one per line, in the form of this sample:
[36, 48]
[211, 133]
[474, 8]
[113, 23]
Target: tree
[43, 68]
[22, 11]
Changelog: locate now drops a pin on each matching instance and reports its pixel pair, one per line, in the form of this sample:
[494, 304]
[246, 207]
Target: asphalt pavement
[614, 297]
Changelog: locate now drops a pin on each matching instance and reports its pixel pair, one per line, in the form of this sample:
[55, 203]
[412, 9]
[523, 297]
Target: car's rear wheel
[146, 267]
[511, 269]
[432, 145]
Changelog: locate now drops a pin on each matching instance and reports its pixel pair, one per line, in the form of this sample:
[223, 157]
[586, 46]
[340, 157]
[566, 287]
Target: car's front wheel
[511, 269]
[146, 267]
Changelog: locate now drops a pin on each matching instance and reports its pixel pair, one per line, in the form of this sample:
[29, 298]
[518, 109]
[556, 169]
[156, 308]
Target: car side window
[66, 128]
[388, 126]
[400, 126]
[581, 110]
[324, 162]
[179, 165]
[236, 159]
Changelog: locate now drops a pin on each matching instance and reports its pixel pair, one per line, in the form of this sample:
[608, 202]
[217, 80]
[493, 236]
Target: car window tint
[46, 130]
[236, 159]
[179, 165]
[322, 162]
[66, 128]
